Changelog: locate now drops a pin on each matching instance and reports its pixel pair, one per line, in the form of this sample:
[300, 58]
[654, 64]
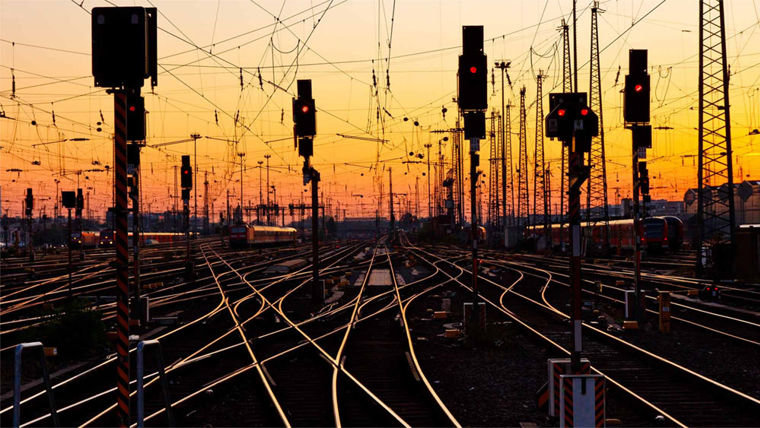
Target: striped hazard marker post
[120, 217]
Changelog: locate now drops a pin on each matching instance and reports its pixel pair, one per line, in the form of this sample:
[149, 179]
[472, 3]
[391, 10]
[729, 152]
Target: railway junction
[242, 343]
[498, 307]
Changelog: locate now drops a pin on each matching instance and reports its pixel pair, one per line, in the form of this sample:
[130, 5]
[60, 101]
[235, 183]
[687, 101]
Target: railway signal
[571, 121]
[636, 92]
[124, 53]
[472, 98]
[636, 116]
[69, 201]
[29, 207]
[187, 174]
[473, 71]
[135, 117]
[304, 130]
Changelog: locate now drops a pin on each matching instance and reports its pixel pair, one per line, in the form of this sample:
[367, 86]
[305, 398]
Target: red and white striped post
[120, 215]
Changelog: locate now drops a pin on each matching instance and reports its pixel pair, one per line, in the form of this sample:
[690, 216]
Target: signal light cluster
[186, 174]
[571, 117]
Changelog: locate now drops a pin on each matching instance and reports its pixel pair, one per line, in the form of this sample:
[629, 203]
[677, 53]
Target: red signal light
[561, 112]
[305, 109]
[131, 108]
[473, 69]
[638, 88]
[584, 112]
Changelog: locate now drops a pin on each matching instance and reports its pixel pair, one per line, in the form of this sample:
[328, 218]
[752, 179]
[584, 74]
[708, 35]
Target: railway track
[665, 388]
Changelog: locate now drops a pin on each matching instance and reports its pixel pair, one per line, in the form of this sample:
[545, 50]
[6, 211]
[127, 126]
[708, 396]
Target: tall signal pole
[596, 192]
[390, 201]
[205, 203]
[715, 210]
[242, 155]
[195, 179]
[540, 190]
[267, 156]
[472, 97]
[261, 200]
[523, 200]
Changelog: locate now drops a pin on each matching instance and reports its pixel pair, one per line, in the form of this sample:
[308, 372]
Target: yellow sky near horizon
[206, 46]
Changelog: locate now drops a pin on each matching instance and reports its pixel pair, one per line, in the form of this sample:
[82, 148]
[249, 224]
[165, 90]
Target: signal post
[187, 185]
[572, 122]
[304, 130]
[28, 211]
[577, 396]
[123, 55]
[472, 98]
[636, 117]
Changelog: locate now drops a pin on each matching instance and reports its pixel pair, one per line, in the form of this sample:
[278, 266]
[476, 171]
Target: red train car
[246, 235]
[655, 233]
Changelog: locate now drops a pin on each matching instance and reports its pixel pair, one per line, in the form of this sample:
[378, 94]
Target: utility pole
[523, 202]
[716, 220]
[229, 219]
[430, 209]
[267, 156]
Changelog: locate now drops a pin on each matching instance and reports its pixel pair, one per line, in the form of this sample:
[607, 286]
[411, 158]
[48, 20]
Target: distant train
[250, 235]
[658, 233]
[84, 239]
[106, 238]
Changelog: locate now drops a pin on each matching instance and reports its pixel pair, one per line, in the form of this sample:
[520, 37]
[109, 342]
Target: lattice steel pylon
[493, 173]
[596, 190]
[523, 199]
[456, 157]
[567, 86]
[540, 192]
[715, 210]
[506, 123]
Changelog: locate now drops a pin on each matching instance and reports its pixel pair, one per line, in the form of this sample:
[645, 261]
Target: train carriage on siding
[253, 235]
[656, 233]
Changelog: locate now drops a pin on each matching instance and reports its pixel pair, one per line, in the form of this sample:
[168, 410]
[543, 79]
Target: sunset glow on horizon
[384, 78]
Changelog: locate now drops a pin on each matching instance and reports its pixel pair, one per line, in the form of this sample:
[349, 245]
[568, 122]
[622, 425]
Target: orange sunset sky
[204, 47]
